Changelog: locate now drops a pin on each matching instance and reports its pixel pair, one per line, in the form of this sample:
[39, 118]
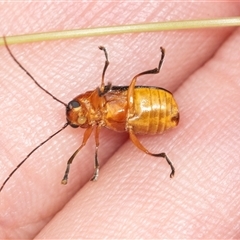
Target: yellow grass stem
[121, 29]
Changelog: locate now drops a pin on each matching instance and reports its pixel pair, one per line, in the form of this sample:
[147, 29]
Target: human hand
[134, 196]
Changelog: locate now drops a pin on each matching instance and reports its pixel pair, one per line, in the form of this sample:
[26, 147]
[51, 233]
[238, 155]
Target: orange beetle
[135, 109]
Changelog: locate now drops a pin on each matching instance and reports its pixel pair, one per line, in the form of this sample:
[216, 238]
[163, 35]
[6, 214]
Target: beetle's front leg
[86, 136]
[96, 163]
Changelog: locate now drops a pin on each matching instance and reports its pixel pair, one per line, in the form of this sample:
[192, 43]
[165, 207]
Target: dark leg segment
[101, 91]
[96, 163]
[155, 70]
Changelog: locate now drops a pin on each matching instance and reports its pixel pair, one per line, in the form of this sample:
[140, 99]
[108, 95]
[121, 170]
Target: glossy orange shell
[155, 110]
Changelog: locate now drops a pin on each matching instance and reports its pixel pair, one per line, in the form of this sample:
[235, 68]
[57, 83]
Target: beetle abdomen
[155, 111]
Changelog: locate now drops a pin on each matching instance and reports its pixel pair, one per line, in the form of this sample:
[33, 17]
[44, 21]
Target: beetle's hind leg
[133, 82]
[152, 71]
[130, 100]
[141, 147]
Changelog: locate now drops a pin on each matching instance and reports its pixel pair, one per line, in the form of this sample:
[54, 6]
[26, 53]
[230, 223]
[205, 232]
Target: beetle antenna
[19, 64]
[24, 160]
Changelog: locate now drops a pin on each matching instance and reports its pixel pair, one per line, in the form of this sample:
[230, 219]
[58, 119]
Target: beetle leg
[107, 88]
[155, 70]
[133, 82]
[102, 87]
[141, 147]
[96, 163]
[86, 136]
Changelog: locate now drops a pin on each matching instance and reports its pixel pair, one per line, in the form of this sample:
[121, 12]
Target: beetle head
[76, 114]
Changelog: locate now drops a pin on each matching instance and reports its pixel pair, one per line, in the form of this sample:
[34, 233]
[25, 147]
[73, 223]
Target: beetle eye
[73, 125]
[73, 104]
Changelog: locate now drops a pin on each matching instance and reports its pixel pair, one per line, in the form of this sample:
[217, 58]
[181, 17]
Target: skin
[134, 196]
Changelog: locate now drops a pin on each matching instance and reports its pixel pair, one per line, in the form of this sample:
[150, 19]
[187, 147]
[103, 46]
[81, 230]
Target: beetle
[135, 109]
